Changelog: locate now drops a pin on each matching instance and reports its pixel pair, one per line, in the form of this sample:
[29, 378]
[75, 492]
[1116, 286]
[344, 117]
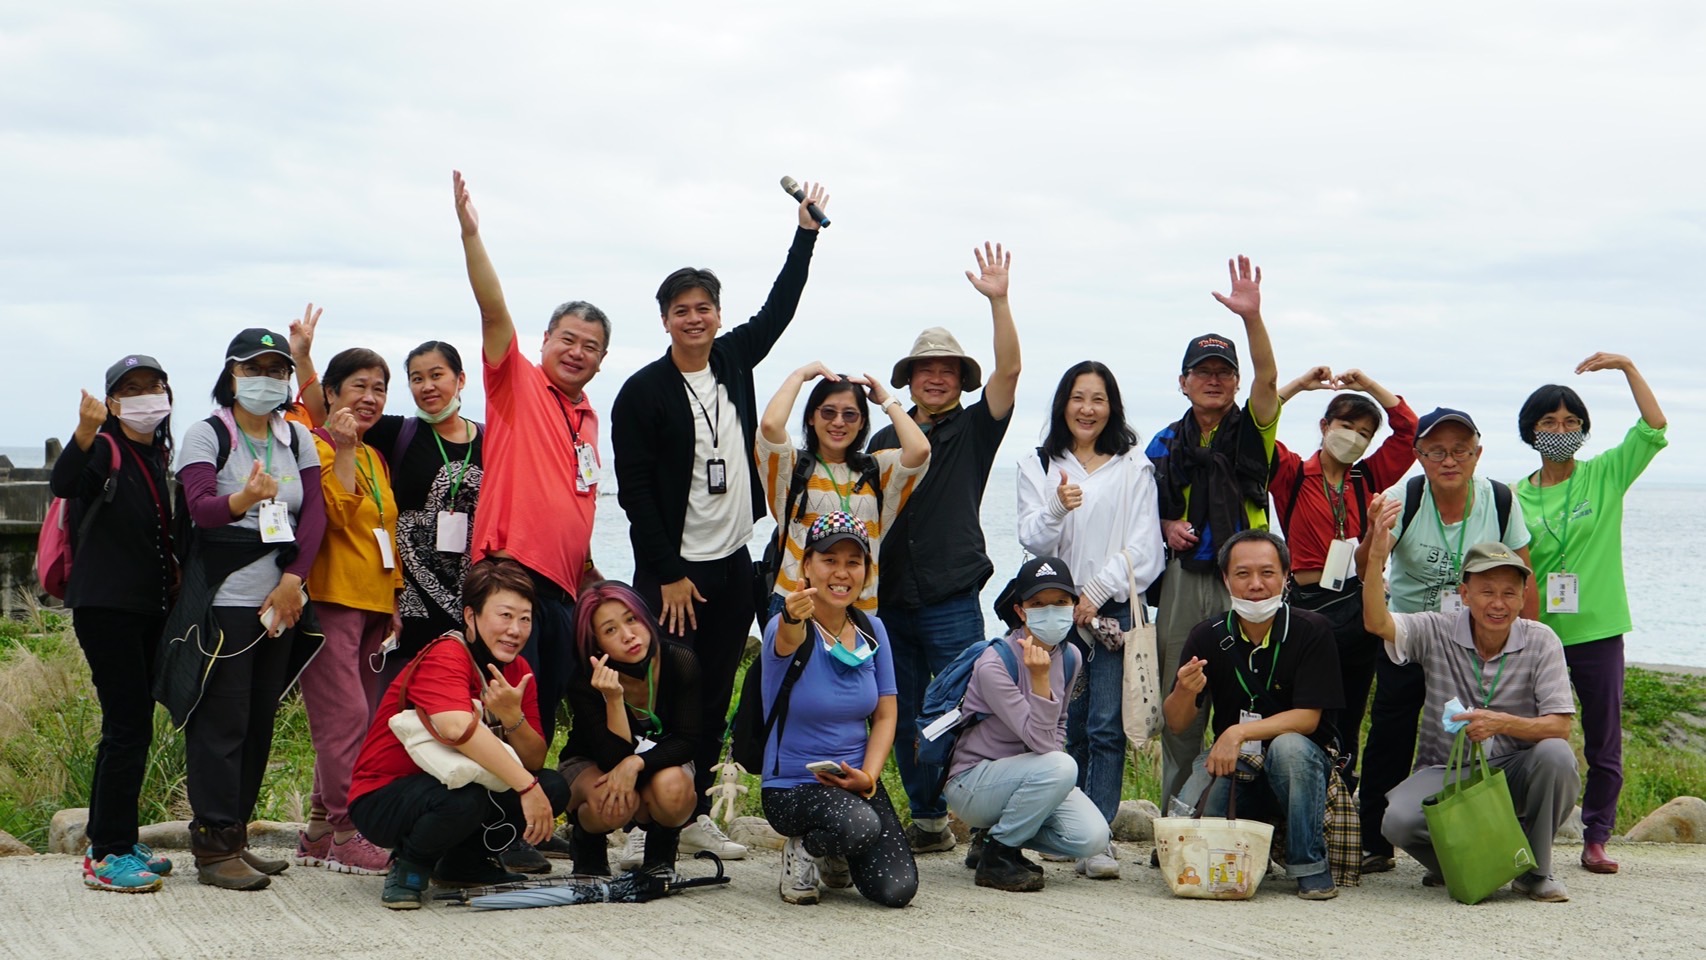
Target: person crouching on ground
[840, 825]
[1270, 671]
[454, 833]
[629, 759]
[1010, 774]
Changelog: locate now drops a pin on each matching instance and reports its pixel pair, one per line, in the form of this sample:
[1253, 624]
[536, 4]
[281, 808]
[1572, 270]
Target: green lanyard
[1337, 505]
[1562, 537]
[843, 494]
[1462, 531]
[256, 453]
[457, 475]
[1487, 695]
[1273, 664]
[651, 698]
[372, 478]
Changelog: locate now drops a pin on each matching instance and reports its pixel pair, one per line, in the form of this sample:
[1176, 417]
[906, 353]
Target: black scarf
[1233, 468]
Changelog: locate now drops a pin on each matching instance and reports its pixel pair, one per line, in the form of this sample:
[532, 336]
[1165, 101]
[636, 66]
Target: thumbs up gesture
[1070, 494]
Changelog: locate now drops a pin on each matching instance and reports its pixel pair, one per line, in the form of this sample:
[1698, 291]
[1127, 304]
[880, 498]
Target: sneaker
[1002, 868]
[1542, 888]
[556, 847]
[929, 841]
[799, 874]
[159, 866]
[1102, 866]
[974, 849]
[1378, 862]
[834, 872]
[524, 857]
[359, 856]
[1317, 886]
[1055, 858]
[633, 850]
[404, 884]
[704, 834]
[312, 853]
[122, 873]
[484, 872]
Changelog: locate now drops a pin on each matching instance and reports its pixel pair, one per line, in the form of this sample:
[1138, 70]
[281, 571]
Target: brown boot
[271, 868]
[219, 858]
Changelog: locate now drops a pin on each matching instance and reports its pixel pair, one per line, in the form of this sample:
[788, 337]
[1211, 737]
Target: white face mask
[1344, 444]
[144, 413]
[449, 411]
[1257, 611]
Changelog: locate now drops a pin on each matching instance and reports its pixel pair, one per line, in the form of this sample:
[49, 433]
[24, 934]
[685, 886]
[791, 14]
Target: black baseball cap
[1207, 347]
[136, 361]
[1443, 415]
[1038, 574]
[256, 341]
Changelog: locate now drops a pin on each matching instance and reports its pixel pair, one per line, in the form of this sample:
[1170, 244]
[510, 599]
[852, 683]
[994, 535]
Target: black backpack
[1413, 503]
[750, 728]
[182, 528]
[794, 505]
[1358, 476]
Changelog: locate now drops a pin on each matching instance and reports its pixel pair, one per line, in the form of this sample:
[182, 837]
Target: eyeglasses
[846, 414]
[275, 372]
[1555, 425]
[139, 389]
[1201, 374]
[1456, 453]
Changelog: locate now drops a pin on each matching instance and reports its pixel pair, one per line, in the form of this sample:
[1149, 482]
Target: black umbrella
[635, 886]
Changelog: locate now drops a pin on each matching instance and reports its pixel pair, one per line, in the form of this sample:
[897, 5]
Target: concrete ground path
[1643, 912]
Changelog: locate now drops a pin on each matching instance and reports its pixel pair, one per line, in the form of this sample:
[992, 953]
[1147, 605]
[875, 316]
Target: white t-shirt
[717, 524]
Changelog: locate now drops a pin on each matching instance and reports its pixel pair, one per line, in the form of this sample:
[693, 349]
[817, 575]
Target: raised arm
[1315, 378]
[308, 393]
[497, 330]
[1363, 383]
[1376, 619]
[753, 339]
[914, 445]
[774, 424]
[1644, 399]
[1246, 301]
[991, 281]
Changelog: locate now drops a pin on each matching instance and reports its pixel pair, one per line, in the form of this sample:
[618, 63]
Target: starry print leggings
[834, 822]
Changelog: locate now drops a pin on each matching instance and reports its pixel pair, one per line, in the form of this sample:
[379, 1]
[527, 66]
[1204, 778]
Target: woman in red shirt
[455, 834]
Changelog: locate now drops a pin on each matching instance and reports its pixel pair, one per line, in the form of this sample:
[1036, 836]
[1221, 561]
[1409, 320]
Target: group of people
[427, 582]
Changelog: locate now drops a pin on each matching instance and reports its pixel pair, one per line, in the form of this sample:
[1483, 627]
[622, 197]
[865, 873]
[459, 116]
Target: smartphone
[269, 619]
[829, 767]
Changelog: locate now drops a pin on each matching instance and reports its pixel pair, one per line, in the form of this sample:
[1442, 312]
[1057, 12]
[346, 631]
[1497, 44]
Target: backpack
[1413, 503]
[947, 693]
[1358, 476]
[749, 727]
[405, 436]
[182, 527]
[55, 543]
[767, 568]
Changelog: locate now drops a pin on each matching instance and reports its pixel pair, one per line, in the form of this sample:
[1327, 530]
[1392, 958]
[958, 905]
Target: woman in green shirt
[1574, 510]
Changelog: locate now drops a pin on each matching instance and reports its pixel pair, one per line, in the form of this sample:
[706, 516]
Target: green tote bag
[1476, 835]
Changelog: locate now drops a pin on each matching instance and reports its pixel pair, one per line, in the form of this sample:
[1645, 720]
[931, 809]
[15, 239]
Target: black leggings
[424, 821]
[835, 823]
[120, 648]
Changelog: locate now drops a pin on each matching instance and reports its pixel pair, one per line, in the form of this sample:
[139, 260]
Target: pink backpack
[53, 544]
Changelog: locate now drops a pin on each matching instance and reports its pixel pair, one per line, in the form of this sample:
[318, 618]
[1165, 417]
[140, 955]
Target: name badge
[586, 467]
[1451, 604]
[943, 724]
[1341, 559]
[1249, 748]
[716, 475]
[275, 523]
[643, 744]
[1561, 593]
[387, 558]
[452, 536]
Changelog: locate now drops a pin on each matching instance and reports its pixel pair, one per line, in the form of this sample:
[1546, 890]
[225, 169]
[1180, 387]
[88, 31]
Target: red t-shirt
[445, 682]
[530, 507]
[1312, 529]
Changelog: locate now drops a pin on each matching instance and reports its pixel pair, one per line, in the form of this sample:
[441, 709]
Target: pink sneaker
[312, 853]
[359, 856]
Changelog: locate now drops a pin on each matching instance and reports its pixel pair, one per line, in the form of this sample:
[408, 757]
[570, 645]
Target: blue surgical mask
[449, 411]
[1049, 625]
[856, 657]
[262, 395]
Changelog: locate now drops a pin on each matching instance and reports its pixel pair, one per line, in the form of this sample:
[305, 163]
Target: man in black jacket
[682, 430]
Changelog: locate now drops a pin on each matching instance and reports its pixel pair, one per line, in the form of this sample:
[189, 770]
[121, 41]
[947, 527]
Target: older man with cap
[1211, 474]
[1443, 510]
[933, 558]
[1501, 675]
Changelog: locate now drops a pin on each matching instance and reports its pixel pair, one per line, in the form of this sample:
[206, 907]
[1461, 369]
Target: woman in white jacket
[1087, 495]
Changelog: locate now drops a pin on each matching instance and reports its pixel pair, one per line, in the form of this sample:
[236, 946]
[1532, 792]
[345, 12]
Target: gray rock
[1135, 821]
[272, 833]
[66, 834]
[171, 835]
[11, 846]
[755, 832]
[1682, 820]
[1572, 828]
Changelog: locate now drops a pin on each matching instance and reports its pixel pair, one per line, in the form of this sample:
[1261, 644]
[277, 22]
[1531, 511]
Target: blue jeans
[1030, 800]
[1095, 733]
[924, 641]
[1294, 775]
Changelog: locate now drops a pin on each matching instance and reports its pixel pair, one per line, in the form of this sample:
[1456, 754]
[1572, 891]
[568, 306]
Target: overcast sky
[1462, 199]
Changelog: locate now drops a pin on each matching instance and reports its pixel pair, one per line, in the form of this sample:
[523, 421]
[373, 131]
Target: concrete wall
[24, 497]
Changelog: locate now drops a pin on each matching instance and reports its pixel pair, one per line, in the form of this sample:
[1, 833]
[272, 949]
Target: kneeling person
[454, 833]
[1010, 774]
[1270, 671]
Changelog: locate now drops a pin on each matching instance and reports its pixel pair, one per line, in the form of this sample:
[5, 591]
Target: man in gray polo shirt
[1509, 673]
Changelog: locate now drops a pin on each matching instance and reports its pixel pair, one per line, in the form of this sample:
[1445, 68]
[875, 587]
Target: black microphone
[792, 187]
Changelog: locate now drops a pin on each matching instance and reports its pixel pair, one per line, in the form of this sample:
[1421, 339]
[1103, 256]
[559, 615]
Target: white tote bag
[433, 753]
[1209, 858]
[1140, 707]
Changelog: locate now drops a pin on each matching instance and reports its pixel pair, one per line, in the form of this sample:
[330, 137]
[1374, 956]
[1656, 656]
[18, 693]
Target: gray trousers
[1187, 599]
[1543, 781]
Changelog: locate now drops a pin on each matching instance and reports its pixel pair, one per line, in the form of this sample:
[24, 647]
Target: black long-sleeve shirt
[125, 562]
[677, 709]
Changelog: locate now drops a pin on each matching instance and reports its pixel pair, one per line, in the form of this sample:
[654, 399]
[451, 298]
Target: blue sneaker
[124, 873]
[159, 866]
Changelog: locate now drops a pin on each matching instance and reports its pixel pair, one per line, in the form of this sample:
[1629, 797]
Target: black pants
[423, 821]
[550, 648]
[1398, 696]
[832, 822]
[120, 647]
[229, 736]
[1359, 653]
[725, 622]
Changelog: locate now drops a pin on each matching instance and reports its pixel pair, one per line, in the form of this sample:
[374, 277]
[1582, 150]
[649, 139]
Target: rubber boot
[591, 851]
[1000, 867]
[260, 864]
[219, 857]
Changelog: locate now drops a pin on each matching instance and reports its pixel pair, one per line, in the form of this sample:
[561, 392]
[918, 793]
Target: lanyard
[457, 475]
[839, 492]
[1337, 505]
[716, 403]
[372, 477]
[1273, 664]
[256, 453]
[1462, 531]
[1487, 695]
[574, 435]
[651, 698]
[1563, 534]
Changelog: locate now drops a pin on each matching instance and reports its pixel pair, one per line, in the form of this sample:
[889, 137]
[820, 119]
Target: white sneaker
[704, 834]
[1102, 866]
[633, 850]
[799, 874]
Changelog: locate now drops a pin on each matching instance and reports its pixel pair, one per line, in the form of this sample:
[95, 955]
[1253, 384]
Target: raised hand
[259, 487]
[1071, 494]
[814, 194]
[343, 428]
[1605, 361]
[466, 215]
[815, 369]
[1354, 379]
[874, 389]
[991, 277]
[1383, 514]
[799, 604]
[501, 699]
[91, 414]
[1036, 658]
[302, 332]
[1192, 677]
[1246, 296]
[604, 679]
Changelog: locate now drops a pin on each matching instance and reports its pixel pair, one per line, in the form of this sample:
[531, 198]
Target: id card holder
[452, 536]
[275, 523]
[1341, 556]
[643, 744]
[387, 555]
[586, 468]
[1249, 748]
[1561, 594]
[716, 475]
[1451, 604]
[943, 724]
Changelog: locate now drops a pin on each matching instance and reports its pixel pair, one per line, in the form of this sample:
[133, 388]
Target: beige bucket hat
[932, 343]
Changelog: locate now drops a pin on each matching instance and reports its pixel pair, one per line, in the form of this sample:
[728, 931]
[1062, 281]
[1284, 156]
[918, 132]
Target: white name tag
[1561, 593]
[452, 536]
[643, 744]
[586, 466]
[1249, 748]
[1451, 604]
[275, 523]
[1341, 558]
[387, 558]
[943, 724]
